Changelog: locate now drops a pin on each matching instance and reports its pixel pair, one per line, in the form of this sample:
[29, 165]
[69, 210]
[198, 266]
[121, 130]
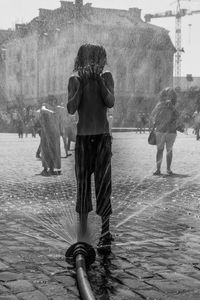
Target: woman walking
[164, 117]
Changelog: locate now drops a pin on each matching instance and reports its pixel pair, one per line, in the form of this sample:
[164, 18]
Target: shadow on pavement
[175, 175]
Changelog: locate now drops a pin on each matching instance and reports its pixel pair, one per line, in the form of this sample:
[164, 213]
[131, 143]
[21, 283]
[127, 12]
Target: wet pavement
[155, 222]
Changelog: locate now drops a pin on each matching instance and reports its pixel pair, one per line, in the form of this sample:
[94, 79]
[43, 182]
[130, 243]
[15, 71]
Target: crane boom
[178, 14]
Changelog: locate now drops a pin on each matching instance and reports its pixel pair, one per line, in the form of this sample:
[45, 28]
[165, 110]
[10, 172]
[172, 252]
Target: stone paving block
[10, 242]
[49, 270]
[164, 261]
[154, 295]
[73, 290]
[12, 258]
[20, 286]
[66, 280]
[52, 288]
[37, 278]
[9, 276]
[134, 284]
[3, 289]
[140, 273]
[3, 266]
[125, 294]
[185, 296]
[125, 264]
[35, 295]
[62, 264]
[185, 280]
[64, 297]
[8, 297]
[168, 286]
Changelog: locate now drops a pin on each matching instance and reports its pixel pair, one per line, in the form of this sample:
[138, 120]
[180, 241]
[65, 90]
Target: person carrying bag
[165, 118]
[152, 136]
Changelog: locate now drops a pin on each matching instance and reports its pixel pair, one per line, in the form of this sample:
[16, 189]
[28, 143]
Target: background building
[40, 56]
[188, 82]
[4, 36]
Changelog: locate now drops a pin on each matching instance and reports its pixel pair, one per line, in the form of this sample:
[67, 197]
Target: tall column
[78, 5]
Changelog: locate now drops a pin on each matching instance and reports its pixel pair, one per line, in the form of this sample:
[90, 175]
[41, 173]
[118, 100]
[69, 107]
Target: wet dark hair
[168, 94]
[173, 96]
[95, 53]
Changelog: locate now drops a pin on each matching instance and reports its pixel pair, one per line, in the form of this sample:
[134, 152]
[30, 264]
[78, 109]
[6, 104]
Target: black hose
[83, 283]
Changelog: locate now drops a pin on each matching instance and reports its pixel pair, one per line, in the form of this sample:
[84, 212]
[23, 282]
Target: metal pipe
[82, 254]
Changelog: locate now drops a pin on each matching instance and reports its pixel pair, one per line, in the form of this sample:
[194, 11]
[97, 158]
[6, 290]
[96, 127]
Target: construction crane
[178, 14]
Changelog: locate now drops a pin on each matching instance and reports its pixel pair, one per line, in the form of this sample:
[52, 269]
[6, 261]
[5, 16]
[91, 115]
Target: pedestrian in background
[66, 124]
[196, 118]
[20, 127]
[37, 129]
[50, 138]
[91, 93]
[165, 117]
[143, 121]
[139, 122]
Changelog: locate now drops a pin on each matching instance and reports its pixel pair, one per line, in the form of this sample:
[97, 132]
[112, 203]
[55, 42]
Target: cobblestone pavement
[155, 221]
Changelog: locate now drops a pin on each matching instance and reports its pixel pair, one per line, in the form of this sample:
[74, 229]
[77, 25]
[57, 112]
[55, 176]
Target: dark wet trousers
[93, 155]
[38, 152]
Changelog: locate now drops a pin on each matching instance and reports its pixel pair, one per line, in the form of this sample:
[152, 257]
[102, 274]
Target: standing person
[37, 129]
[20, 127]
[91, 93]
[32, 128]
[164, 117]
[65, 121]
[139, 122]
[50, 138]
[196, 118]
[143, 121]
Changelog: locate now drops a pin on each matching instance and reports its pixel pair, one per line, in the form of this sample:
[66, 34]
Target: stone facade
[39, 60]
[5, 35]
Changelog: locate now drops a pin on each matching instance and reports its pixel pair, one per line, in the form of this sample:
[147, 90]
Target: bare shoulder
[74, 81]
[107, 74]
[74, 78]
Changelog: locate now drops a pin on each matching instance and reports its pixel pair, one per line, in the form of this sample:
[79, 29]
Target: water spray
[83, 255]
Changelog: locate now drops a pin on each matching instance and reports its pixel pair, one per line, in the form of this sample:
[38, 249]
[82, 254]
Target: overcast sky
[19, 11]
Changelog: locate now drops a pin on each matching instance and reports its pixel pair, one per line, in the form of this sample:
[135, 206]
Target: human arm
[74, 94]
[154, 114]
[106, 84]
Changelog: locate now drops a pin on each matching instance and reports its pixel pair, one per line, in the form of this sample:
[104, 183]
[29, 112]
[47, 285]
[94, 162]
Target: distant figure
[196, 118]
[164, 117]
[139, 123]
[91, 93]
[32, 127]
[20, 127]
[143, 121]
[186, 120]
[26, 129]
[50, 138]
[67, 132]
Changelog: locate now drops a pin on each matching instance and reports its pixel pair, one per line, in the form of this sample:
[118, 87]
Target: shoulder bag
[152, 136]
